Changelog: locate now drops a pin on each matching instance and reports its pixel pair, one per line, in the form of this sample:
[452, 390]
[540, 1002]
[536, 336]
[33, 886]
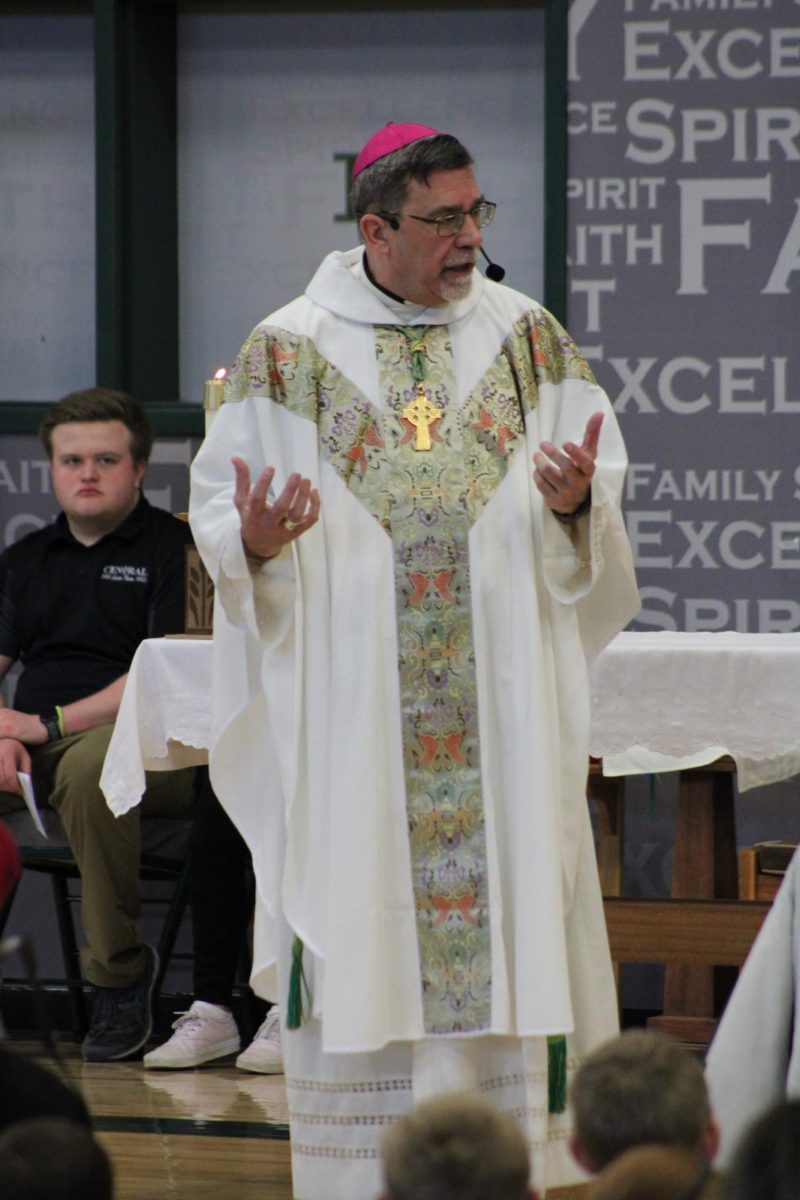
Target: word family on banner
[684, 291]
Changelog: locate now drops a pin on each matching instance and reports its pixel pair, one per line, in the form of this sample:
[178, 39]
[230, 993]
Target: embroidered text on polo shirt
[117, 574]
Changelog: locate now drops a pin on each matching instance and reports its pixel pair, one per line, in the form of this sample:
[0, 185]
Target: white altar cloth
[666, 701]
[164, 719]
[660, 701]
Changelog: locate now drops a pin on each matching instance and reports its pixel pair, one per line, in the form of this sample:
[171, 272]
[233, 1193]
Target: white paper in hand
[26, 783]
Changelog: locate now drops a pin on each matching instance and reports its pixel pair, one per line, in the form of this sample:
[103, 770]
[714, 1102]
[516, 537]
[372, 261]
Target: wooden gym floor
[213, 1133]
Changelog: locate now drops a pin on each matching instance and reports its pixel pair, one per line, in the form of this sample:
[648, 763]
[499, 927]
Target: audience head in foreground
[31, 1090]
[655, 1173]
[52, 1158]
[766, 1163]
[641, 1087]
[456, 1147]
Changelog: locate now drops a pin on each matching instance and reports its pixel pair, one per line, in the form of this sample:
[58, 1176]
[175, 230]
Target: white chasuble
[401, 705]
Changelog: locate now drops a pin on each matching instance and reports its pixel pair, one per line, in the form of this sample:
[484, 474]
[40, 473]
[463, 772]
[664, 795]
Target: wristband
[51, 724]
[60, 718]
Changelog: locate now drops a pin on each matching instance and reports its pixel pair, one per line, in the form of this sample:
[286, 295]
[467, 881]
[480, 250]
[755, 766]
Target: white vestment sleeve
[260, 601]
[753, 1060]
[253, 756]
[587, 562]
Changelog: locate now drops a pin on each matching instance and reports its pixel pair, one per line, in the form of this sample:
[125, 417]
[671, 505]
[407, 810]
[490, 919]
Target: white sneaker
[264, 1054]
[205, 1032]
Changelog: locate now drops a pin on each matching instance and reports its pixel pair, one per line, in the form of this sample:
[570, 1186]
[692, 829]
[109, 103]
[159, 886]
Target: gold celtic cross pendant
[421, 413]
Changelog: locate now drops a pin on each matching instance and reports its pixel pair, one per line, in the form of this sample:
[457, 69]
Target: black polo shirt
[73, 615]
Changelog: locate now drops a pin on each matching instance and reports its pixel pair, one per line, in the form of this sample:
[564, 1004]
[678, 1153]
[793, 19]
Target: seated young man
[76, 599]
[640, 1088]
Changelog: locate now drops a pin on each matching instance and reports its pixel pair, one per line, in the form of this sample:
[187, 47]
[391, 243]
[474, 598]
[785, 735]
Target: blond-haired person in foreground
[456, 1147]
[641, 1087]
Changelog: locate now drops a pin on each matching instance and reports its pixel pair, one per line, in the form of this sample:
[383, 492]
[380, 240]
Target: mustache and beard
[456, 286]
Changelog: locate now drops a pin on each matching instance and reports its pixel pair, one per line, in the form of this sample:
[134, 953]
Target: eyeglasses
[449, 224]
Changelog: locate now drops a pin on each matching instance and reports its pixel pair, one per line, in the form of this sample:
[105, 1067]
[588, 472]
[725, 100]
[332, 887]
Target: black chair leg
[72, 958]
[59, 865]
[6, 909]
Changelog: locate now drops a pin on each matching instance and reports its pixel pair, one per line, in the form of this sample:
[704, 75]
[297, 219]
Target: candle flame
[220, 374]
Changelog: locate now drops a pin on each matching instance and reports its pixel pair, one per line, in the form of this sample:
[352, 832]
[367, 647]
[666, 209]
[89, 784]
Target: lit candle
[213, 396]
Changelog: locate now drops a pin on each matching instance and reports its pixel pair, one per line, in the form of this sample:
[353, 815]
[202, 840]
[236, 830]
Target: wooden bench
[702, 932]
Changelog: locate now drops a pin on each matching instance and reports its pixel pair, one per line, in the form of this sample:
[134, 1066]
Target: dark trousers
[221, 896]
[107, 849]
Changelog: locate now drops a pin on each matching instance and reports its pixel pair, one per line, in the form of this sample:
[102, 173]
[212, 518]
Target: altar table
[707, 705]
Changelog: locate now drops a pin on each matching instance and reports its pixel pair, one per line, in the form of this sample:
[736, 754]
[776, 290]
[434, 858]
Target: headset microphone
[493, 271]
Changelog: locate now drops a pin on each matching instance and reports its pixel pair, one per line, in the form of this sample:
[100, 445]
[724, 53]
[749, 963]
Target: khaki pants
[66, 774]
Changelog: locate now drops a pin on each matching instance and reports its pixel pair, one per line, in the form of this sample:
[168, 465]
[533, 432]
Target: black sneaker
[122, 1018]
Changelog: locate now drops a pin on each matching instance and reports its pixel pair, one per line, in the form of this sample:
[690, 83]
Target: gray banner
[684, 291]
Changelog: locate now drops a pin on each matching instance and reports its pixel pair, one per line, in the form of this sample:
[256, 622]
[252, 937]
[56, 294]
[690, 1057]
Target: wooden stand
[694, 938]
[704, 868]
[760, 882]
[703, 932]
